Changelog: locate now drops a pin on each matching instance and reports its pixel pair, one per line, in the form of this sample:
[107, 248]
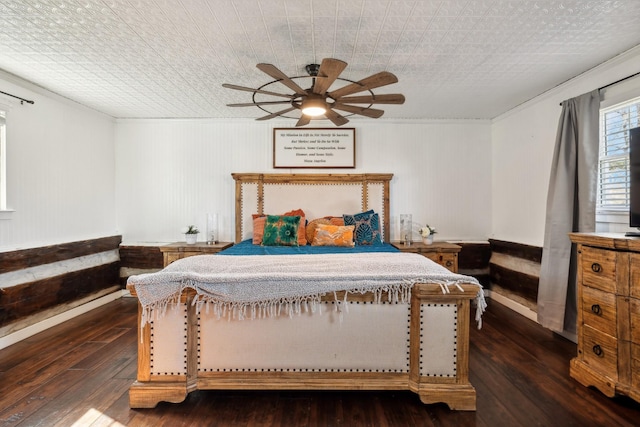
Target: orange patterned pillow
[258, 228]
[295, 212]
[311, 227]
[333, 235]
[335, 220]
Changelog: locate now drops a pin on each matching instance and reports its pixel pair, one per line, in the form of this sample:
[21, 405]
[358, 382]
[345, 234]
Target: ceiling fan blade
[336, 118]
[253, 104]
[329, 71]
[248, 89]
[368, 112]
[382, 78]
[274, 72]
[276, 114]
[304, 120]
[392, 98]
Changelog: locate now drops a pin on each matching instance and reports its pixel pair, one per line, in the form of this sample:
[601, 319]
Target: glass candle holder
[212, 228]
[405, 228]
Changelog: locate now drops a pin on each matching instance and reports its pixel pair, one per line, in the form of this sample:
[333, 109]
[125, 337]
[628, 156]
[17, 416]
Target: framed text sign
[314, 148]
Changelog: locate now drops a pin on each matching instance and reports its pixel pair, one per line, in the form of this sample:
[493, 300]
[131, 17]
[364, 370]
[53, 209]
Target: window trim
[5, 212]
[611, 214]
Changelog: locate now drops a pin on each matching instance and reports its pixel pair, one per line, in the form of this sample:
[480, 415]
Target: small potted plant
[191, 234]
[427, 233]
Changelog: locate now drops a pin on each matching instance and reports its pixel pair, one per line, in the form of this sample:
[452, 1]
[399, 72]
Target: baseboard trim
[515, 306]
[31, 330]
[526, 312]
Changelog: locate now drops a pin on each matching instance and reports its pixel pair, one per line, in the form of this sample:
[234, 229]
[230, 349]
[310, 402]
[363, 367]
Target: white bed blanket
[258, 285]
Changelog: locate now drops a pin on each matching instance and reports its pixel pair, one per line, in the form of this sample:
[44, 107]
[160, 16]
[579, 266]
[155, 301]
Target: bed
[361, 330]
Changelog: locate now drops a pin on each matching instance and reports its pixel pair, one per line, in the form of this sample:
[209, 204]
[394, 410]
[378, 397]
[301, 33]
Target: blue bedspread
[246, 247]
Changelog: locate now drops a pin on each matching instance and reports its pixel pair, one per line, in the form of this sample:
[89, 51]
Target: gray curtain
[571, 206]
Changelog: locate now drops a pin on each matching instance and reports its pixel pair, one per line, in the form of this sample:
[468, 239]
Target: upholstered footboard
[358, 345]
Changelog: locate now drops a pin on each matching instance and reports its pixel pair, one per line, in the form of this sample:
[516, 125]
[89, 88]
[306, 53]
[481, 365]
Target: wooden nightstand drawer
[444, 253]
[179, 250]
[170, 257]
[599, 268]
[447, 260]
[600, 351]
[599, 310]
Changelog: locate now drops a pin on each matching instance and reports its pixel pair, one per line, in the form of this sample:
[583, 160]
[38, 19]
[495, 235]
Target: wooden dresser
[608, 313]
[178, 250]
[444, 253]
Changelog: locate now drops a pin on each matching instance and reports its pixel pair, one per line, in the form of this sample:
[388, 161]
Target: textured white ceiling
[454, 59]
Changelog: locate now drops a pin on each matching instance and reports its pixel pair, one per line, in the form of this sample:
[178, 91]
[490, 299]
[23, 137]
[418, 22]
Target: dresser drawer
[634, 277]
[599, 310]
[600, 351]
[599, 268]
[634, 307]
[635, 366]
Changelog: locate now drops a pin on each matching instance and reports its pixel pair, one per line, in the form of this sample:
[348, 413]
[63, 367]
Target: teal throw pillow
[281, 230]
[367, 227]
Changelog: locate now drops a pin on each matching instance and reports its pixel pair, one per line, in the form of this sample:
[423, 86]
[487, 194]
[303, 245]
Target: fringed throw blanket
[262, 286]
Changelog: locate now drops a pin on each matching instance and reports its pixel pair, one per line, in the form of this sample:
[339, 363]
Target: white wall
[60, 170]
[523, 141]
[170, 173]
[472, 180]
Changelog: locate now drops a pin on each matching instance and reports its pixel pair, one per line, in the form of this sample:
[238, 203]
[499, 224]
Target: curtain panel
[571, 207]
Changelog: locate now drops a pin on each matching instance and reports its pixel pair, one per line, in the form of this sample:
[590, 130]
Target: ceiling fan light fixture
[319, 100]
[314, 107]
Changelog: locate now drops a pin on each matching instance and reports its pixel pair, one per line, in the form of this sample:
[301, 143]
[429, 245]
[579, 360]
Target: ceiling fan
[317, 101]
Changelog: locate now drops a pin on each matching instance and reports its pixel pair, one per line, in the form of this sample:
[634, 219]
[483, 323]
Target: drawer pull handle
[597, 268]
[596, 309]
[597, 350]
[449, 263]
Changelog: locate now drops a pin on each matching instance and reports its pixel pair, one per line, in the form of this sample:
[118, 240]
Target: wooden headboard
[317, 194]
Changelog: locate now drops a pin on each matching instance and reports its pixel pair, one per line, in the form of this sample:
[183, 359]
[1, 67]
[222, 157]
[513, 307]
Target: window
[613, 171]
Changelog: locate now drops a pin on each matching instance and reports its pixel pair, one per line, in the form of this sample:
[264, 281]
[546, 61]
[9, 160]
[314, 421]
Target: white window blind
[613, 172]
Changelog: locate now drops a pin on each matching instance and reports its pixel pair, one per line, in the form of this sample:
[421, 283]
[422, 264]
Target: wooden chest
[608, 313]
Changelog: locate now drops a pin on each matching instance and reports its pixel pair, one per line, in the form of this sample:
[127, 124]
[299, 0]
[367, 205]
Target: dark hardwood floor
[78, 373]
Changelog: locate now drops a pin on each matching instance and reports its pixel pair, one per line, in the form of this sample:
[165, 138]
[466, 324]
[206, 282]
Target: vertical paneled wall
[60, 170]
[58, 246]
[170, 173]
[523, 142]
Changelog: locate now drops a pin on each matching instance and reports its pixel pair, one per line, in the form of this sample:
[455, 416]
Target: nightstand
[444, 253]
[178, 250]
